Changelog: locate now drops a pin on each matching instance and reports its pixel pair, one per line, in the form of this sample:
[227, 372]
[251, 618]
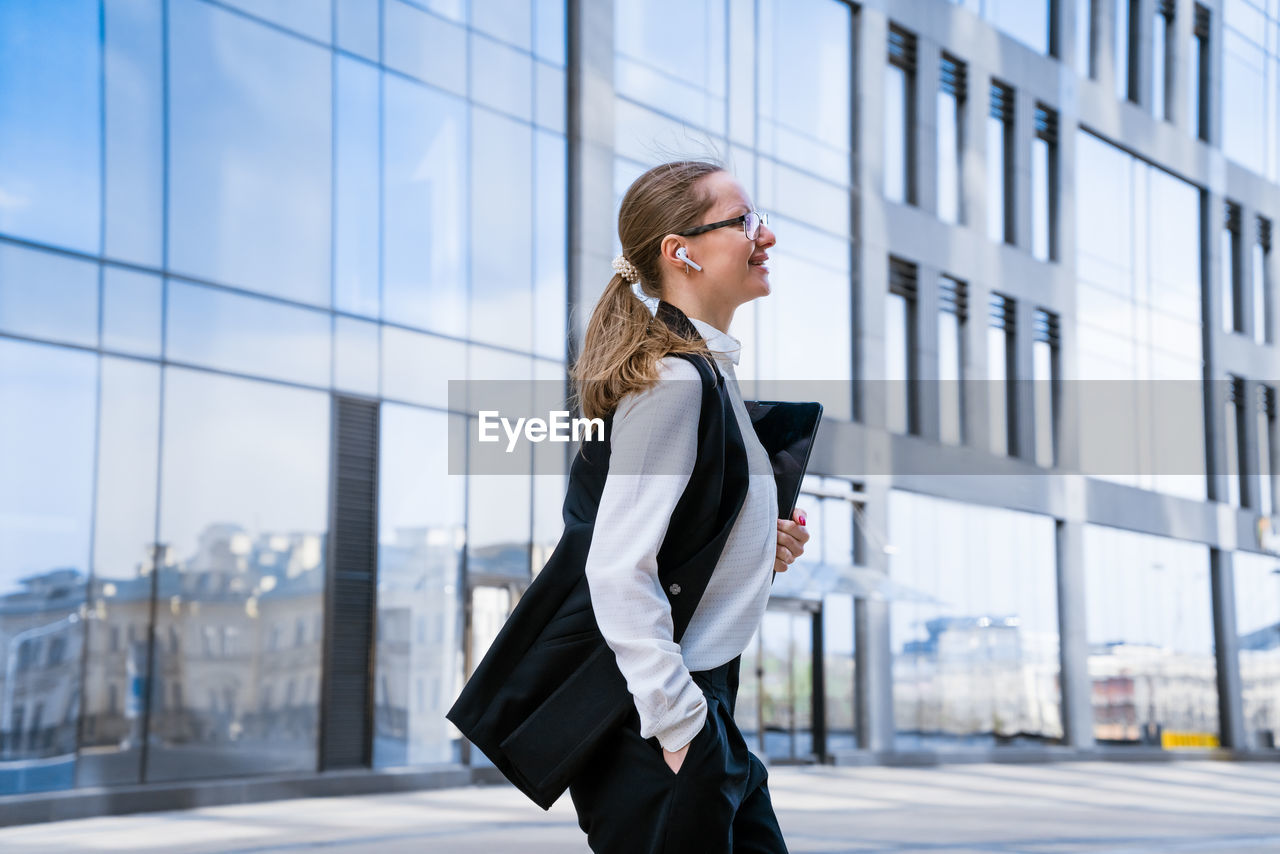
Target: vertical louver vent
[346, 736]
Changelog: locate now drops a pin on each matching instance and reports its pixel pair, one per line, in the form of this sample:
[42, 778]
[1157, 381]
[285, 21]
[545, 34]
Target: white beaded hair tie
[626, 269]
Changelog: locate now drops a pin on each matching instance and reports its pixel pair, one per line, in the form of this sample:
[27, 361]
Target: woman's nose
[766, 237]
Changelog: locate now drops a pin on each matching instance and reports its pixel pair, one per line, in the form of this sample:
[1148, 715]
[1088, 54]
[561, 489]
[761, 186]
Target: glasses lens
[751, 222]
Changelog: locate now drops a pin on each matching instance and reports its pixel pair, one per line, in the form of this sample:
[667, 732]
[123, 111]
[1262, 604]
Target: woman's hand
[792, 536]
[676, 759]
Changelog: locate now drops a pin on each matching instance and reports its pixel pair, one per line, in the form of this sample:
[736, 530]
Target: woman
[677, 776]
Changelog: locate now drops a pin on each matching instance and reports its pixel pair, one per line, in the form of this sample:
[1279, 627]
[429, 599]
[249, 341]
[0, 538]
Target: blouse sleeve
[653, 447]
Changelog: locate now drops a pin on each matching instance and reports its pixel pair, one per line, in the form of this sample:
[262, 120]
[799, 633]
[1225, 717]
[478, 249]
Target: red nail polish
[802, 519]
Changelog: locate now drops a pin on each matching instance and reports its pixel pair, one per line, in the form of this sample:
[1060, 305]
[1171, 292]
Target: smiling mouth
[759, 262]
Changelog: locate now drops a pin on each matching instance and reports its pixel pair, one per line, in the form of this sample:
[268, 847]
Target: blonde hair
[624, 342]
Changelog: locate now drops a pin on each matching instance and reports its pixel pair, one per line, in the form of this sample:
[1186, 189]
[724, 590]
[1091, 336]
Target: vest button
[675, 589]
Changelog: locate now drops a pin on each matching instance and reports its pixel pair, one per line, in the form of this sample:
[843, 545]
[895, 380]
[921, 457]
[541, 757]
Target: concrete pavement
[1119, 808]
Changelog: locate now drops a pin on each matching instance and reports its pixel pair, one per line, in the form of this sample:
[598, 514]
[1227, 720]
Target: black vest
[549, 689]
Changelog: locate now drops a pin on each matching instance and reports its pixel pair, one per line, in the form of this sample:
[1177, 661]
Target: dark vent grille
[1235, 390]
[1264, 233]
[902, 48]
[1165, 8]
[1046, 327]
[1046, 123]
[955, 297]
[1003, 312]
[346, 737]
[1201, 27]
[1232, 217]
[1001, 102]
[954, 77]
[902, 277]
[1267, 400]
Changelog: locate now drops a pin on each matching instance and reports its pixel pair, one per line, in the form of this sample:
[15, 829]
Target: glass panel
[501, 77]
[652, 68]
[551, 470]
[115, 680]
[455, 9]
[416, 367]
[550, 244]
[822, 263]
[997, 390]
[1265, 426]
[356, 152]
[357, 22]
[501, 210]
[802, 68]
[1261, 320]
[421, 534]
[1227, 246]
[788, 193]
[424, 208]
[996, 167]
[1245, 110]
[1041, 215]
[839, 672]
[425, 47]
[950, 388]
[1138, 261]
[1150, 631]
[248, 335]
[1121, 31]
[897, 334]
[778, 702]
[250, 140]
[1042, 362]
[549, 30]
[974, 630]
[50, 88]
[47, 409]
[499, 522]
[355, 357]
[1195, 64]
[1257, 601]
[896, 132]
[550, 96]
[311, 18]
[1028, 22]
[131, 309]
[48, 295]
[1159, 55]
[243, 518]
[135, 136]
[1084, 37]
[948, 158]
[508, 20]
[647, 137]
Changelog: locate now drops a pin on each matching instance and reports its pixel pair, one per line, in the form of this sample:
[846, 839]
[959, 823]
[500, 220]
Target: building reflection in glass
[976, 656]
[1258, 629]
[1150, 633]
[1138, 304]
[420, 542]
[46, 411]
[240, 587]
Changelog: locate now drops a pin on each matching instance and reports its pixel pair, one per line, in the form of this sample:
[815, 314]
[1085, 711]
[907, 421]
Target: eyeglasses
[751, 222]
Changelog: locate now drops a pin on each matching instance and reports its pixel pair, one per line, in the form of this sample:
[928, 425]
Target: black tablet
[786, 430]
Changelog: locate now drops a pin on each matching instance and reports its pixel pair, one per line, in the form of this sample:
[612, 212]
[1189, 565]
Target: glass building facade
[245, 245]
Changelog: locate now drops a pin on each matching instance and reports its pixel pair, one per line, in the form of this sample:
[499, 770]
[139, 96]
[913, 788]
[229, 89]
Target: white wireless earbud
[683, 255]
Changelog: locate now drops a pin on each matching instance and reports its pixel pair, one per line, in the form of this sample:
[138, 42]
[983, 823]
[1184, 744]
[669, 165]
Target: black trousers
[629, 801]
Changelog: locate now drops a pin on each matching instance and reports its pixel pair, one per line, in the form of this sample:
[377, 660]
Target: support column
[1226, 650]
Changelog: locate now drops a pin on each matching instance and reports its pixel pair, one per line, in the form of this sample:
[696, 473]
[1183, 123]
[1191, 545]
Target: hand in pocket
[676, 759]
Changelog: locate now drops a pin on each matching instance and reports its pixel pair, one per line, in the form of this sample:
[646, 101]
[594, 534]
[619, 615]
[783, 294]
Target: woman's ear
[667, 250]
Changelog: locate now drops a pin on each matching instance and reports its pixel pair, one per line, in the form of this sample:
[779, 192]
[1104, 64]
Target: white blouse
[653, 447]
